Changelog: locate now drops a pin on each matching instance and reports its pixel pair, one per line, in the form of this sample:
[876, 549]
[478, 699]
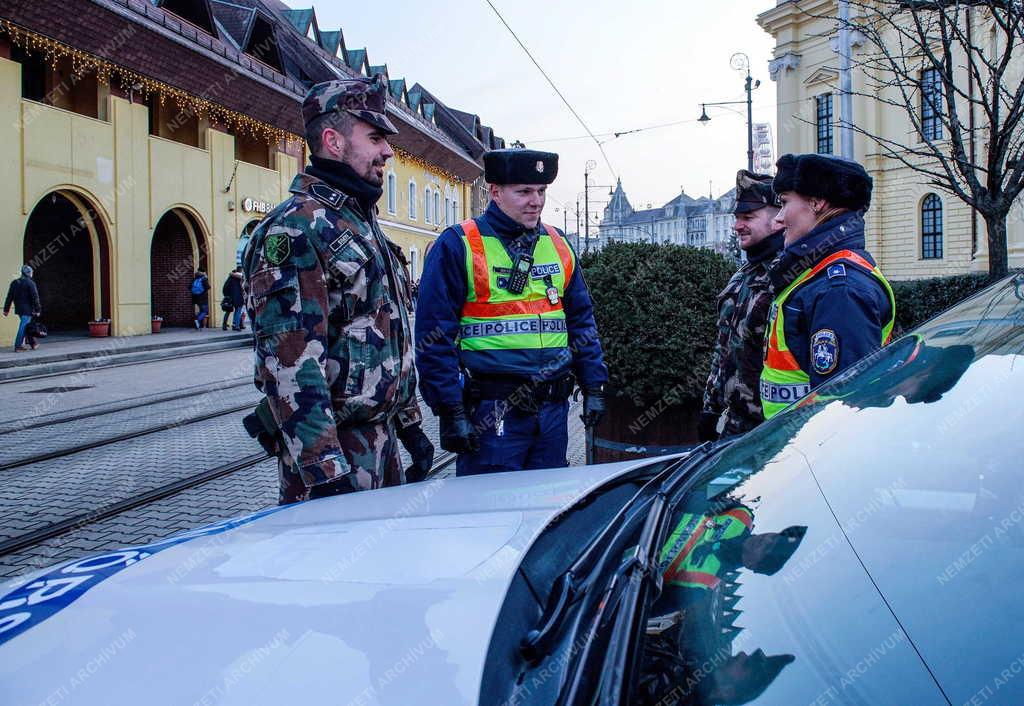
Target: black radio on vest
[520, 273]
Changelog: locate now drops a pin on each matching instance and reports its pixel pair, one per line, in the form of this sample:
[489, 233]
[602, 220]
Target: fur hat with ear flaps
[841, 182]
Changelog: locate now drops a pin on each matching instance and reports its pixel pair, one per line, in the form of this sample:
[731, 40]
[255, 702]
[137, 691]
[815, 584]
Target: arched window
[455, 209]
[392, 193]
[426, 205]
[448, 210]
[412, 200]
[437, 208]
[931, 227]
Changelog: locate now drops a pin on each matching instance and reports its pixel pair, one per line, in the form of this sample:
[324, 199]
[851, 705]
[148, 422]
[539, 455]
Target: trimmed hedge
[921, 299]
[656, 311]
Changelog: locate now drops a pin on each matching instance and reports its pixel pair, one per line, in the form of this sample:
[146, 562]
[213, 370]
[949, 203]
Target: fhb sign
[256, 206]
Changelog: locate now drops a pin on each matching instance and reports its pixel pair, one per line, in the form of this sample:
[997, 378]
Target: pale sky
[621, 64]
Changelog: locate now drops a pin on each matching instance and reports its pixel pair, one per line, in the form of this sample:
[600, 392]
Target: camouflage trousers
[371, 453]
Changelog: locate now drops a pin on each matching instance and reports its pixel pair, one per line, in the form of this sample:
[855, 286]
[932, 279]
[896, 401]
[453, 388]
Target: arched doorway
[178, 250]
[66, 244]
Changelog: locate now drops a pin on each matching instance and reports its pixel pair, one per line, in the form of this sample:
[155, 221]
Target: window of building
[447, 211]
[195, 12]
[392, 193]
[427, 201]
[824, 118]
[437, 208]
[931, 104]
[456, 216]
[931, 227]
[414, 264]
[412, 200]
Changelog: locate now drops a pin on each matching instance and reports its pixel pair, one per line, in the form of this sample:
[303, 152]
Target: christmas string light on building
[420, 162]
[83, 62]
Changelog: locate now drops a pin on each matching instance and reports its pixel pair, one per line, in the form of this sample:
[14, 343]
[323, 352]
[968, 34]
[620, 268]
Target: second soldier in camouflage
[328, 295]
[732, 397]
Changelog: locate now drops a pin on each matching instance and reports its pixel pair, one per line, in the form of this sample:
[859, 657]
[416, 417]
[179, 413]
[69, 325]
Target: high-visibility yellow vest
[783, 382]
[494, 319]
[690, 549]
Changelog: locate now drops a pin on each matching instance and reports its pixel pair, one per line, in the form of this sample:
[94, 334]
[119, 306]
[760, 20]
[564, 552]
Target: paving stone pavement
[22, 444]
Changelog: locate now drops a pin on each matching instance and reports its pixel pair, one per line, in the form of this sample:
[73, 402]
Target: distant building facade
[701, 223]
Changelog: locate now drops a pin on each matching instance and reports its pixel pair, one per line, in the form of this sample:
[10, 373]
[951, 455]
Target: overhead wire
[544, 73]
[620, 133]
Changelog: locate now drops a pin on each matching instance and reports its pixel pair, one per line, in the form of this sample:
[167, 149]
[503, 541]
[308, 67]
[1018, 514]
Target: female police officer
[832, 304]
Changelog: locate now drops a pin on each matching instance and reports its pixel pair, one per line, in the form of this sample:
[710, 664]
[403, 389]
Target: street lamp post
[740, 62]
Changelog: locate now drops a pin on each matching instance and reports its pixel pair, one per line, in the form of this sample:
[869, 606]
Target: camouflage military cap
[753, 192]
[364, 98]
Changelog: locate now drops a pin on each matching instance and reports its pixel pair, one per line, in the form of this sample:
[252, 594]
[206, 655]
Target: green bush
[920, 299]
[656, 311]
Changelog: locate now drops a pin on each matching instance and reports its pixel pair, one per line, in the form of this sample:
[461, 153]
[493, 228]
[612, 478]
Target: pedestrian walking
[198, 289]
[732, 396]
[328, 295]
[505, 327]
[24, 296]
[233, 301]
[832, 303]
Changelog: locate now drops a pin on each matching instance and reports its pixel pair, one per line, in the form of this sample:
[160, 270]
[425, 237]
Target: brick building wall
[171, 269]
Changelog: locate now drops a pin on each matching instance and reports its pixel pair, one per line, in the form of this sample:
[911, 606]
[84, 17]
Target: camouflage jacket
[734, 383]
[328, 295]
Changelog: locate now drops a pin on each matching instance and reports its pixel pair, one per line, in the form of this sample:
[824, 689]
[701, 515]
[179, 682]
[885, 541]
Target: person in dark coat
[198, 288]
[232, 292]
[24, 295]
[833, 306]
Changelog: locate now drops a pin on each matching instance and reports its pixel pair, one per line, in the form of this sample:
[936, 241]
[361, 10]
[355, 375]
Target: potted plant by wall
[99, 328]
[656, 308]
[157, 322]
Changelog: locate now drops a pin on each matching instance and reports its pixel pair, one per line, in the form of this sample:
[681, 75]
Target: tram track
[80, 521]
[127, 404]
[127, 436]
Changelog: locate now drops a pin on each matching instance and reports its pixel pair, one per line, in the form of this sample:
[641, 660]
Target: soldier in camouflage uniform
[733, 387]
[328, 295]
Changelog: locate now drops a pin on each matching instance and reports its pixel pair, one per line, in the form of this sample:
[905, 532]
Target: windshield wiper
[639, 575]
[572, 586]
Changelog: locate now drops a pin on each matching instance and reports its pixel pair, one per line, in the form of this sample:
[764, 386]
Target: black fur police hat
[841, 182]
[519, 166]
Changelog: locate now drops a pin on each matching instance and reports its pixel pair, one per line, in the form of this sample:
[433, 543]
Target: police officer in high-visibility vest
[832, 304]
[505, 327]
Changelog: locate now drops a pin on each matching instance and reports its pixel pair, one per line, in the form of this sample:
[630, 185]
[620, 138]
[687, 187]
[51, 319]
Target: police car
[865, 547]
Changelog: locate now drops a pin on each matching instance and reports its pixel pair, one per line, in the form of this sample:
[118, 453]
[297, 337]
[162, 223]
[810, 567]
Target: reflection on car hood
[384, 597]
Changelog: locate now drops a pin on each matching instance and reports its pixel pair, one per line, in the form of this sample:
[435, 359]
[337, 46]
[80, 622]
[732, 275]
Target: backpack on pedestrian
[197, 286]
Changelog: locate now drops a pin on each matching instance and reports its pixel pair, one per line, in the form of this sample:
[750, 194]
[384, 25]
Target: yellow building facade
[914, 229]
[121, 186]
[122, 182]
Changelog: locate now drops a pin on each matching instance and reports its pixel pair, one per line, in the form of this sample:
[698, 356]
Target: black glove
[707, 427]
[421, 450]
[457, 432]
[593, 406]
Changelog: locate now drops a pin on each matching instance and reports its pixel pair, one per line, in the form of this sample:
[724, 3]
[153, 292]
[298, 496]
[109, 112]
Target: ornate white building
[700, 222]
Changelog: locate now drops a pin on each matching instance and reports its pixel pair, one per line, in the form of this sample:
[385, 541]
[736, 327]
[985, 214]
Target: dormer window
[195, 12]
[262, 45]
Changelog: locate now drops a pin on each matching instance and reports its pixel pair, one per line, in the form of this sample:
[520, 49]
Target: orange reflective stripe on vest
[481, 272]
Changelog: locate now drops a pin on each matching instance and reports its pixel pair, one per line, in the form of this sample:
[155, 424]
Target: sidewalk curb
[92, 360]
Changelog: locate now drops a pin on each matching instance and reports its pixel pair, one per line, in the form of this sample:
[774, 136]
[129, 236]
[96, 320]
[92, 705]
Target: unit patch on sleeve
[277, 248]
[824, 351]
[837, 270]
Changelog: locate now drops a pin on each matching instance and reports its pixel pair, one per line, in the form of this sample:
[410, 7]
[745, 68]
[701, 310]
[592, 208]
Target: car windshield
[865, 545]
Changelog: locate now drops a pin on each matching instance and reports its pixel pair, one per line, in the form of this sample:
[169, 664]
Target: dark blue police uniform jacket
[848, 301]
[526, 441]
